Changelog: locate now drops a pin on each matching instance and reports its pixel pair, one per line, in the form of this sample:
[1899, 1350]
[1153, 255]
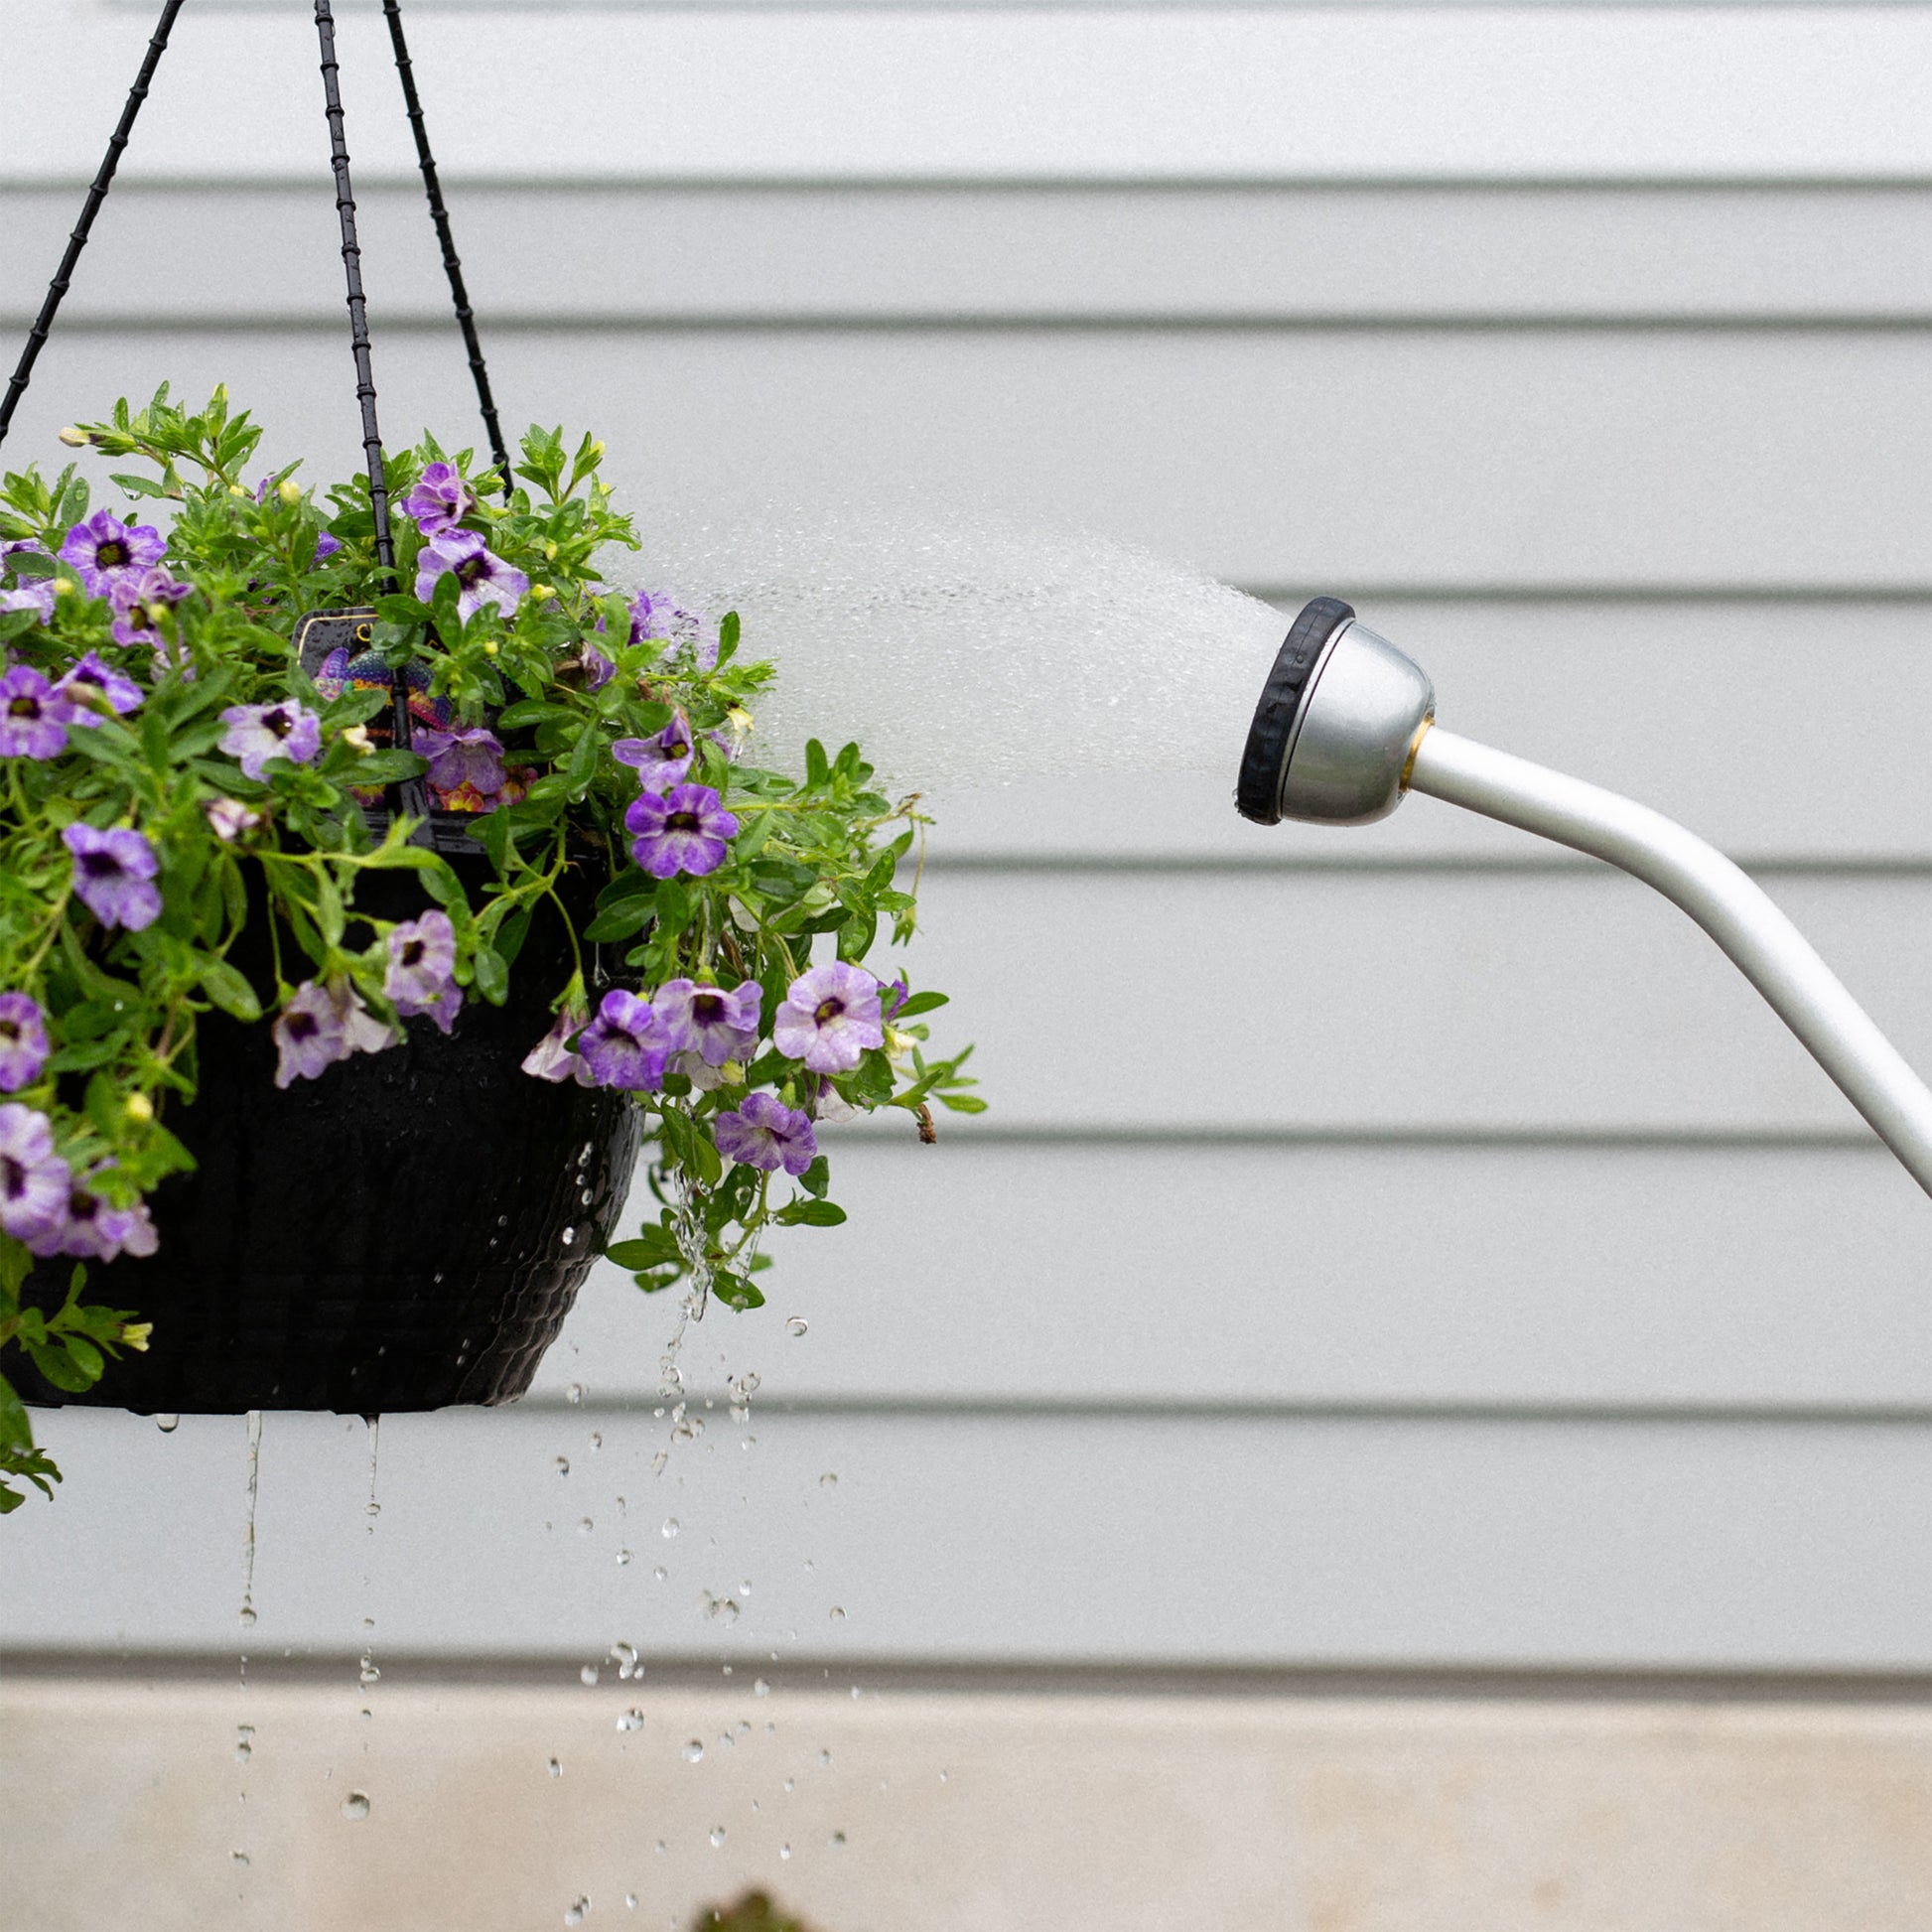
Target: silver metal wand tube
[1766, 946]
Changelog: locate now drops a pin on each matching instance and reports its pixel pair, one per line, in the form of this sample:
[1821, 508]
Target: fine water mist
[973, 652]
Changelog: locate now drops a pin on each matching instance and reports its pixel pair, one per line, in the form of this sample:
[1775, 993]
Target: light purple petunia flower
[34, 594]
[766, 1133]
[33, 717]
[551, 1058]
[91, 1230]
[230, 819]
[623, 1046]
[661, 761]
[260, 732]
[658, 615]
[683, 831]
[93, 687]
[326, 547]
[708, 1022]
[422, 958]
[108, 553]
[34, 1179]
[829, 1018]
[589, 667]
[321, 1025]
[483, 577]
[22, 1042]
[439, 499]
[140, 602]
[472, 756]
[113, 875]
[827, 1102]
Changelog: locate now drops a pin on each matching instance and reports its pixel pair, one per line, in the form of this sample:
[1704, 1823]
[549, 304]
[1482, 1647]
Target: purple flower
[321, 1025]
[439, 499]
[660, 762]
[93, 687]
[260, 732]
[34, 1179]
[482, 578]
[465, 766]
[766, 1133]
[34, 594]
[108, 553]
[827, 1102]
[707, 1020]
[33, 717]
[141, 599]
[683, 831]
[590, 666]
[623, 1046]
[893, 997]
[326, 547]
[113, 875]
[95, 1231]
[657, 613]
[551, 1058]
[22, 1042]
[829, 1018]
[230, 819]
[422, 957]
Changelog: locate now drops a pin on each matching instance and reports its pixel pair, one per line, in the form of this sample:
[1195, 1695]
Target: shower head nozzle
[1337, 720]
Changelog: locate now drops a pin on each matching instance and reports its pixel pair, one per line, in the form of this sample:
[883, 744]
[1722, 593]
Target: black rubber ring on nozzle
[1258, 790]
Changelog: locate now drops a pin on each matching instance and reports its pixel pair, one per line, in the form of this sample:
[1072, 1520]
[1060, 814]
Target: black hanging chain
[451, 266]
[44, 322]
[415, 799]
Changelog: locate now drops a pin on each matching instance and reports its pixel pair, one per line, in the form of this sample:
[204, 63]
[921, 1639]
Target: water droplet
[586, 1198]
[579, 1910]
[243, 1751]
[784, 1850]
[838, 1838]
[575, 1393]
[370, 1674]
[562, 1465]
[745, 1589]
[624, 1656]
[596, 1442]
[828, 1480]
[355, 1807]
[238, 1858]
[372, 1507]
[717, 1837]
[796, 1325]
[631, 1721]
[838, 1614]
[760, 1688]
[247, 1616]
[502, 1220]
[693, 1751]
[945, 1777]
[670, 1527]
[585, 1526]
[589, 1674]
[555, 1767]
[630, 1901]
[623, 1556]
[167, 1423]
[790, 1783]
[825, 1757]
[659, 1572]
[568, 1236]
[584, 1158]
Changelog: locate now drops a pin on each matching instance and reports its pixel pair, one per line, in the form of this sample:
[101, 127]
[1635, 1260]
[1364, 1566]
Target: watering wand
[1346, 724]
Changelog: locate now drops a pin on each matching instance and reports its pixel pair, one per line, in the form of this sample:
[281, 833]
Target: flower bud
[540, 591]
[597, 450]
[65, 586]
[134, 1335]
[235, 490]
[138, 1107]
[491, 648]
[289, 490]
[356, 737]
[550, 551]
[75, 439]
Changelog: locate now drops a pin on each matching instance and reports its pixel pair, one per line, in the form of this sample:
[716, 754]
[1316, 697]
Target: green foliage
[815, 866]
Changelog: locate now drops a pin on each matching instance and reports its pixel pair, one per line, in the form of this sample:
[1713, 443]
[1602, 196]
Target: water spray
[1346, 724]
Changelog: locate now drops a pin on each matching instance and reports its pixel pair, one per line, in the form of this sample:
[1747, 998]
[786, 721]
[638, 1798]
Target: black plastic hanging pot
[407, 1231]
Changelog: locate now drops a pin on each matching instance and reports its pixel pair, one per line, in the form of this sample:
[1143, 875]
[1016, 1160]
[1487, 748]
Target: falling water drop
[368, 1675]
[575, 1393]
[838, 1838]
[633, 1720]
[562, 1465]
[248, 1531]
[585, 1526]
[238, 1858]
[586, 1198]
[568, 1236]
[837, 1613]
[717, 1837]
[578, 1911]
[588, 1675]
[796, 1325]
[630, 1901]
[829, 1480]
[167, 1423]
[355, 1807]
[623, 1556]
[670, 1527]
[760, 1688]
[693, 1751]
[784, 1850]
[555, 1767]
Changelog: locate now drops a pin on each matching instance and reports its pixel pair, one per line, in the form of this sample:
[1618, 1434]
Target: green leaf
[962, 1103]
[649, 1249]
[810, 1213]
[492, 975]
[817, 1178]
[734, 1291]
[230, 991]
[918, 1004]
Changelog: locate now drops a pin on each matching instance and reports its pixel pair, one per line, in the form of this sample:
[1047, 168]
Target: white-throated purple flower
[230, 819]
[551, 1057]
[321, 1025]
[623, 1046]
[465, 766]
[708, 1022]
[766, 1133]
[590, 668]
[661, 760]
[826, 1102]
[439, 499]
[108, 553]
[33, 717]
[141, 601]
[34, 1179]
[94, 688]
[113, 875]
[829, 1018]
[658, 615]
[93, 1230]
[260, 732]
[422, 958]
[35, 593]
[481, 576]
[22, 1042]
[685, 830]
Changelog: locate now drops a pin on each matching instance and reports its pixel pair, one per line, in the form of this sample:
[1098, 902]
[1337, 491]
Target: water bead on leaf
[33, 716]
[830, 1016]
[686, 830]
[113, 875]
[107, 553]
[22, 1042]
[764, 1132]
[260, 732]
